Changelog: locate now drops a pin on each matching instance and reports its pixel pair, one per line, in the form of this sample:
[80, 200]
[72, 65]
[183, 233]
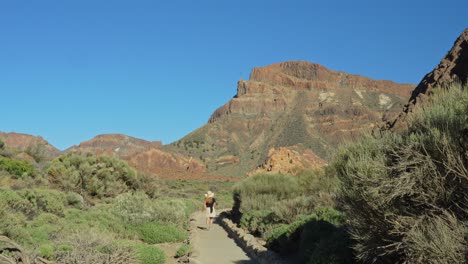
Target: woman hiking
[209, 206]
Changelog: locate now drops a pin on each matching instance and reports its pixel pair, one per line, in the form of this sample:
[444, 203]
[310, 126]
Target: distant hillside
[145, 156]
[28, 147]
[118, 145]
[287, 104]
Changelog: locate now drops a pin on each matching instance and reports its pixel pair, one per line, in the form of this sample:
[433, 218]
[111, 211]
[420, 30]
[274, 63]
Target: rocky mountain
[145, 156]
[298, 105]
[28, 147]
[452, 68]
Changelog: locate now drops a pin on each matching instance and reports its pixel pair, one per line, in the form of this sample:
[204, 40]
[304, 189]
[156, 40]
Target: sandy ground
[214, 246]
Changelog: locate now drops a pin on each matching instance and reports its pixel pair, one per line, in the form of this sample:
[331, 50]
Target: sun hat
[209, 194]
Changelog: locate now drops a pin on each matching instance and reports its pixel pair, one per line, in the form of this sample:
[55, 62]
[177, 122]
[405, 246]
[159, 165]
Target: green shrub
[92, 246]
[160, 233]
[15, 203]
[46, 251]
[183, 250]
[75, 200]
[10, 221]
[405, 194]
[261, 191]
[17, 168]
[148, 254]
[134, 208]
[100, 176]
[258, 222]
[43, 228]
[99, 217]
[265, 201]
[137, 208]
[303, 235]
[50, 201]
[324, 243]
[286, 211]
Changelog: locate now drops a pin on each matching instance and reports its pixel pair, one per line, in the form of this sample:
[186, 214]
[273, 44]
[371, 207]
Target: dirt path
[214, 246]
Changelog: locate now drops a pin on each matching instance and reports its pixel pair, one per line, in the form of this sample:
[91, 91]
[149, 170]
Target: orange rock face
[289, 104]
[289, 161]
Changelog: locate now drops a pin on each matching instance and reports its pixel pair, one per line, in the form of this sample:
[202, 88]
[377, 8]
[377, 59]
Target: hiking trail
[214, 246]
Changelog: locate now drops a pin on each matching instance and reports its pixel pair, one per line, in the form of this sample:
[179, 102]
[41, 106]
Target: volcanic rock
[289, 160]
[452, 69]
[289, 104]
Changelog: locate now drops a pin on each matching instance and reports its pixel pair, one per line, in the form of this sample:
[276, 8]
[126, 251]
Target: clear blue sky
[156, 70]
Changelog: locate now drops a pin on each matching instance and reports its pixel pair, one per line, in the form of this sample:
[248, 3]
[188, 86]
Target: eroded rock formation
[453, 68]
[291, 104]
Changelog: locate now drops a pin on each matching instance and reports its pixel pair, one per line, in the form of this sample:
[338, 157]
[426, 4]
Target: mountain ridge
[294, 107]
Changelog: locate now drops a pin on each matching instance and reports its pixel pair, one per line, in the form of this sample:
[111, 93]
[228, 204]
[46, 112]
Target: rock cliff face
[288, 104]
[452, 68]
[28, 147]
[145, 156]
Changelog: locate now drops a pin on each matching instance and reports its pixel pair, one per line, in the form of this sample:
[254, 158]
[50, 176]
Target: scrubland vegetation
[406, 194]
[86, 209]
[392, 197]
[388, 198]
[295, 215]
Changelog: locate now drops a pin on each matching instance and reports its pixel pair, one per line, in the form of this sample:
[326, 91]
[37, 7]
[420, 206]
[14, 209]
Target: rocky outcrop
[453, 68]
[292, 104]
[289, 160]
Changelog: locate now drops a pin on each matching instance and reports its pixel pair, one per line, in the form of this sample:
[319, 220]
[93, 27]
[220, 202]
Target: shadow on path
[214, 246]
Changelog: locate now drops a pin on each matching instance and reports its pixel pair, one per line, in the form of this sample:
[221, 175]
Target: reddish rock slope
[452, 68]
[145, 156]
[28, 147]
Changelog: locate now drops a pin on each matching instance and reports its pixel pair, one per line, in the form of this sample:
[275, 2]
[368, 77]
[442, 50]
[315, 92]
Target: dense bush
[93, 246]
[261, 191]
[258, 222]
[138, 208]
[406, 194]
[264, 201]
[160, 233]
[99, 176]
[183, 250]
[32, 201]
[148, 254]
[285, 238]
[17, 168]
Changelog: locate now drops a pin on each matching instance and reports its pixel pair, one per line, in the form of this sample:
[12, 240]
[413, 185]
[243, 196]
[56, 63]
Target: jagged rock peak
[452, 68]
